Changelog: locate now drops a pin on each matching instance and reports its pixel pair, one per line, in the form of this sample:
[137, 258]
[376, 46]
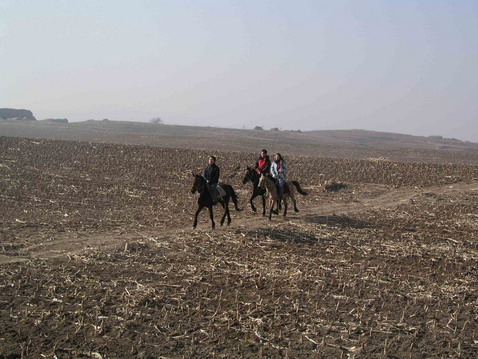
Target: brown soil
[99, 259]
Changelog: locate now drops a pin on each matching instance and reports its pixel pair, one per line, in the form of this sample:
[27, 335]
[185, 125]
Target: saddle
[218, 194]
[221, 191]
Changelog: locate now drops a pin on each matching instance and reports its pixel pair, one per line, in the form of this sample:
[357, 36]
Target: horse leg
[226, 208]
[292, 197]
[271, 205]
[252, 204]
[228, 214]
[276, 211]
[196, 216]
[211, 214]
[285, 207]
[263, 205]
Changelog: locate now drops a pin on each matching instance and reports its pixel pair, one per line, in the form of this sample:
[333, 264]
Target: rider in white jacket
[279, 171]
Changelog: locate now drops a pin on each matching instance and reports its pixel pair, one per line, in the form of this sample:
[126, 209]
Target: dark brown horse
[205, 199]
[252, 176]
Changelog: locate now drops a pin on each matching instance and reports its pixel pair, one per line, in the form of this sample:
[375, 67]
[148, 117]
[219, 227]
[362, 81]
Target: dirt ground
[98, 258]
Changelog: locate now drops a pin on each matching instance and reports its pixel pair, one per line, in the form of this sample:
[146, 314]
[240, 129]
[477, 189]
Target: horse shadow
[284, 235]
[337, 221]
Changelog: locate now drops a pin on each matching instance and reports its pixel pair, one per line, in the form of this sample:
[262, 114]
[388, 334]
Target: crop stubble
[384, 267]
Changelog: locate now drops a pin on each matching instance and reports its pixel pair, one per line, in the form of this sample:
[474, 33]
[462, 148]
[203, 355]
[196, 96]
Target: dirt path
[74, 243]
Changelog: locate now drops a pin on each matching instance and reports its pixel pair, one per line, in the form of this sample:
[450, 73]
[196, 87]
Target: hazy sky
[392, 65]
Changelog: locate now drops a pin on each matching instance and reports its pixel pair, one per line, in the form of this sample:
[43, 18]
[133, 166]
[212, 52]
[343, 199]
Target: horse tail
[233, 197]
[299, 189]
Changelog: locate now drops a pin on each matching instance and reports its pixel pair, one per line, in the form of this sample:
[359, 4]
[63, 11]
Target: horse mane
[205, 194]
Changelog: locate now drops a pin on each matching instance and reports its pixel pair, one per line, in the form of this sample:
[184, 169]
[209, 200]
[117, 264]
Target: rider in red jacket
[263, 163]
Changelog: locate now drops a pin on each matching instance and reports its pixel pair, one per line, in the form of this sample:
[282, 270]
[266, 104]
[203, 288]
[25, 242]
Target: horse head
[249, 175]
[198, 185]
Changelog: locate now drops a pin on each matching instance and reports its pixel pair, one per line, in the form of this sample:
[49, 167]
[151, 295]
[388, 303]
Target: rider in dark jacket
[263, 163]
[211, 174]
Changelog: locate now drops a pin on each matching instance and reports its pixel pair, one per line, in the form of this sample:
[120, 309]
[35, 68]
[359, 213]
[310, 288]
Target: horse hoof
[296, 210]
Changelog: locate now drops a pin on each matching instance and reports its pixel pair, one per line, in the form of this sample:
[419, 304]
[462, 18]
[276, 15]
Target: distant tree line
[56, 120]
[441, 138]
[273, 129]
[156, 120]
[11, 113]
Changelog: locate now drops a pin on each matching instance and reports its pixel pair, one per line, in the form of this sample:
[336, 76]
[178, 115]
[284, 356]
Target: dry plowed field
[98, 258]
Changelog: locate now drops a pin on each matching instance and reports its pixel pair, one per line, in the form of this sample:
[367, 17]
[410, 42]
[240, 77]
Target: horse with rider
[212, 192]
[270, 178]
